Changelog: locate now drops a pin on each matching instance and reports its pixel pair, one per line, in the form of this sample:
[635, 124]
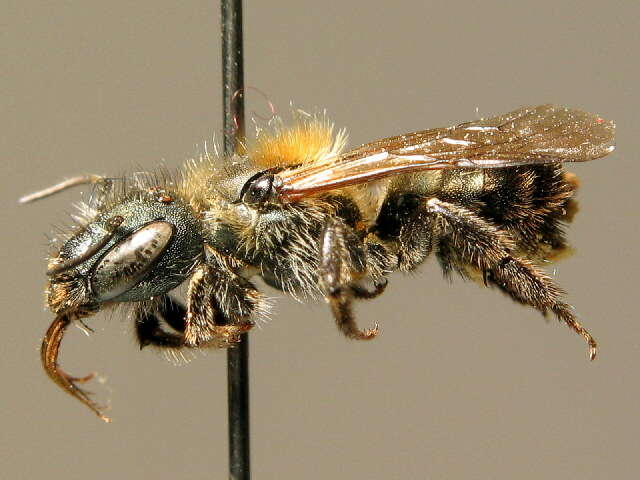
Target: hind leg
[475, 241]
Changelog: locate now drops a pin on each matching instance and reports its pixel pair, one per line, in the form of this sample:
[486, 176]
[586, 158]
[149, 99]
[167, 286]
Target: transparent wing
[528, 136]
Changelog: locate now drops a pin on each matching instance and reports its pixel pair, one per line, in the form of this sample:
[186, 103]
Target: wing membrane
[527, 136]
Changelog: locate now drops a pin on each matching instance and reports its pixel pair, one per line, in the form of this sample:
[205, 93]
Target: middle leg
[345, 260]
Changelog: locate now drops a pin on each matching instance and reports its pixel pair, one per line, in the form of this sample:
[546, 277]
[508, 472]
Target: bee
[488, 198]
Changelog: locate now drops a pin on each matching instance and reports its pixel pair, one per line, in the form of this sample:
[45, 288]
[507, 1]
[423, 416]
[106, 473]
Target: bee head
[137, 248]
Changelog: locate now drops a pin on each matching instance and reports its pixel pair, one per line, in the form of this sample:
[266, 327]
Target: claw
[49, 356]
[593, 348]
[564, 313]
[84, 379]
[369, 334]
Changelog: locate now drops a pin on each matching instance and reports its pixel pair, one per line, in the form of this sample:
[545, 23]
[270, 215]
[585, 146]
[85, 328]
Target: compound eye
[128, 261]
[258, 190]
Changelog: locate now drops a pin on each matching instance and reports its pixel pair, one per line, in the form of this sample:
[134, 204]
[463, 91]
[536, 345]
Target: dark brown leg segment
[342, 263]
[364, 294]
[220, 303]
[220, 307]
[149, 331]
[475, 241]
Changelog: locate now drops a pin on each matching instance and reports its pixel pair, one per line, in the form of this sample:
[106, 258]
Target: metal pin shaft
[238, 356]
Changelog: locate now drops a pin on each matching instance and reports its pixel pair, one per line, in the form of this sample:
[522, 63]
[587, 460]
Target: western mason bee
[488, 198]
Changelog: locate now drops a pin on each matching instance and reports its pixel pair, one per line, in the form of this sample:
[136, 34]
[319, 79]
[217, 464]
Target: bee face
[137, 249]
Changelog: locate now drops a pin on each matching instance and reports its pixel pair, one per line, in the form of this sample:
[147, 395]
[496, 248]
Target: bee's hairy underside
[489, 199]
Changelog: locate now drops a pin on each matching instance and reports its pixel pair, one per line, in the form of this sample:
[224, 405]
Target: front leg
[149, 331]
[220, 303]
[343, 262]
[220, 306]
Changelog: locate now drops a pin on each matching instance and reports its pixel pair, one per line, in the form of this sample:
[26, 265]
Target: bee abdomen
[531, 203]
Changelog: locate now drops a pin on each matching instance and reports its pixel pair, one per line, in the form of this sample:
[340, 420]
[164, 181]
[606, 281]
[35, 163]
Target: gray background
[461, 383]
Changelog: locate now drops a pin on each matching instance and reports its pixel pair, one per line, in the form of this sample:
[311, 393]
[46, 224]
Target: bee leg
[415, 241]
[149, 331]
[174, 313]
[481, 244]
[220, 303]
[362, 293]
[343, 262]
